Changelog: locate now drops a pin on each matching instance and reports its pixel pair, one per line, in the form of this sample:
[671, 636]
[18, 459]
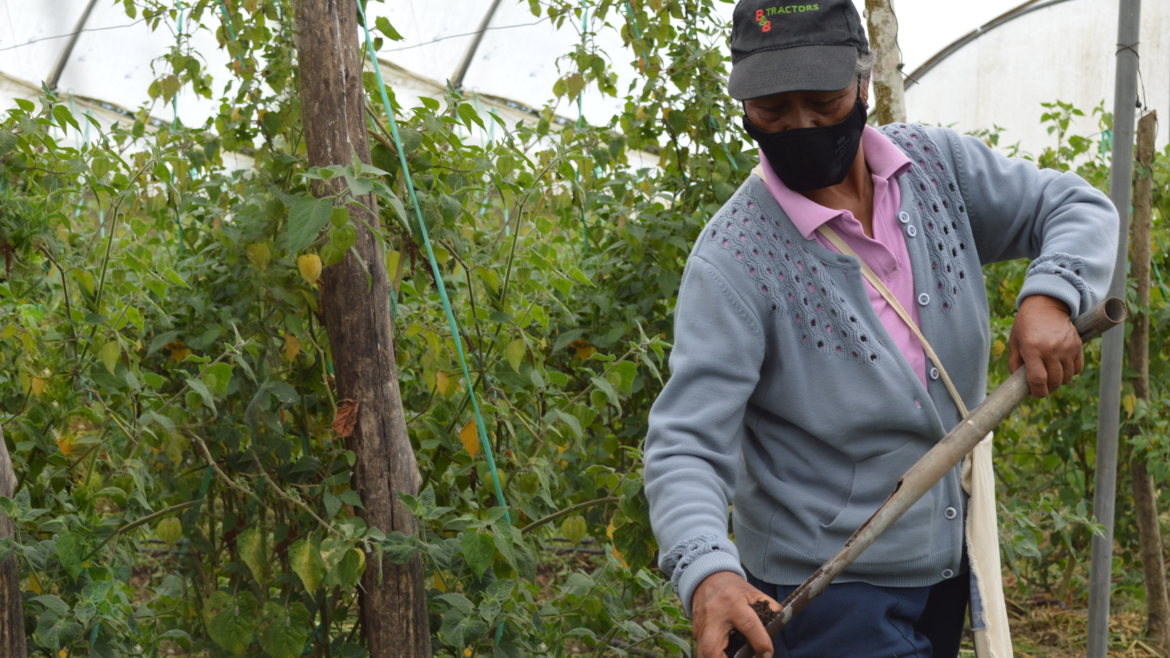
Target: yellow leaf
[65, 443]
[34, 585]
[179, 351]
[38, 385]
[62, 653]
[1130, 403]
[618, 555]
[584, 348]
[292, 347]
[442, 382]
[469, 435]
[609, 531]
[439, 584]
[467, 652]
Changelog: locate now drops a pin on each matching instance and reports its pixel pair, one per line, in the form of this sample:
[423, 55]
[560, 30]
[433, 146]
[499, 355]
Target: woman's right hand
[722, 602]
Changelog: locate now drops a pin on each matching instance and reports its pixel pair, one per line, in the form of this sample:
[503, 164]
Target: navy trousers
[858, 620]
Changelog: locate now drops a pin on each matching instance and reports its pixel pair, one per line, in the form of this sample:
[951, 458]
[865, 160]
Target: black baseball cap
[779, 46]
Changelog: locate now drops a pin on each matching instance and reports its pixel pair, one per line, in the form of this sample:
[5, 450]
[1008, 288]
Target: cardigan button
[947, 573]
[911, 231]
[934, 373]
[951, 513]
[904, 217]
[923, 299]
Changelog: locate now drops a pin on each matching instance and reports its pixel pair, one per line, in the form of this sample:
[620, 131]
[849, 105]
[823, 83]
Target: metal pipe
[936, 463]
[1113, 345]
[59, 67]
[457, 79]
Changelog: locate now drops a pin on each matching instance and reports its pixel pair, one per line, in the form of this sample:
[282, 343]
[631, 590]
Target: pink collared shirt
[885, 253]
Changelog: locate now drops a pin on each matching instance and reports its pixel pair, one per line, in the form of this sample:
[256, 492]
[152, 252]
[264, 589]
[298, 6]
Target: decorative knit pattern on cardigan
[939, 204]
[686, 552]
[1067, 267]
[792, 279]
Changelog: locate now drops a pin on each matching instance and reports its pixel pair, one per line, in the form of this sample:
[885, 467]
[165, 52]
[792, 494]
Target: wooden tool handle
[923, 475]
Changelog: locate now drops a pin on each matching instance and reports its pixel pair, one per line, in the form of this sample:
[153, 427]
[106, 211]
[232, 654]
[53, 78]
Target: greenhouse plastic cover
[1068, 50]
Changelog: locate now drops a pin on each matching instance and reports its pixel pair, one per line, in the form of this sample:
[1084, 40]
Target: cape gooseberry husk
[310, 267]
[260, 255]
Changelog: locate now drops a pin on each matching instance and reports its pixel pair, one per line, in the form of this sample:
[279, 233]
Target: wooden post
[356, 315]
[1144, 493]
[11, 611]
[888, 90]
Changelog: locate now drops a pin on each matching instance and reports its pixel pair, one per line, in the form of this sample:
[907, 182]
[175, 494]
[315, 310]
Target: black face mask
[812, 158]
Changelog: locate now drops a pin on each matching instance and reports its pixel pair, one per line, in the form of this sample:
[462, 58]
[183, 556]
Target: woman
[799, 394]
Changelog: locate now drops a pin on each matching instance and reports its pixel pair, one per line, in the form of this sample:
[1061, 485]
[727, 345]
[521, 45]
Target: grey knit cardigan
[789, 401]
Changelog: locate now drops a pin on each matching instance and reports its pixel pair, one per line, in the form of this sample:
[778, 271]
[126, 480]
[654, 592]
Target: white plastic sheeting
[1063, 52]
[1066, 52]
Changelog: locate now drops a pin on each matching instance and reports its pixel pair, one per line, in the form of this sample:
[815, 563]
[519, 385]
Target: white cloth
[993, 637]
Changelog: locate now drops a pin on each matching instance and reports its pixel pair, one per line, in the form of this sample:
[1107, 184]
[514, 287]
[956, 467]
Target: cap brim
[802, 68]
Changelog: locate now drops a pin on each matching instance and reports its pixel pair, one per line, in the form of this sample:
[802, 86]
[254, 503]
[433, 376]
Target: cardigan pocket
[873, 481]
[834, 512]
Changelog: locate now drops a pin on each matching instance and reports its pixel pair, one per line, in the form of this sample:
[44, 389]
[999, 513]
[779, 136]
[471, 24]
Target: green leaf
[627, 370]
[635, 544]
[478, 550]
[610, 394]
[65, 119]
[160, 341]
[332, 505]
[231, 622]
[254, 553]
[201, 388]
[173, 277]
[69, 552]
[358, 186]
[85, 279]
[348, 569]
[505, 536]
[383, 25]
[287, 631]
[110, 353]
[305, 221]
[575, 83]
[461, 628]
[222, 373]
[515, 353]
[7, 142]
[469, 116]
[283, 392]
[306, 561]
[579, 276]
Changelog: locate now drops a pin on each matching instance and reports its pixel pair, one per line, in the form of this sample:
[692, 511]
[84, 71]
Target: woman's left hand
[1045, 342]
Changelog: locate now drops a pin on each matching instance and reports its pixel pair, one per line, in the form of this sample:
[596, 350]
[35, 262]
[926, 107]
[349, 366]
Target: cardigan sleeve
[1068, 227]
[696, 425]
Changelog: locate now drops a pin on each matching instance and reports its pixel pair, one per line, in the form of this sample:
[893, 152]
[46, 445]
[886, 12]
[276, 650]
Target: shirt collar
[885, 160]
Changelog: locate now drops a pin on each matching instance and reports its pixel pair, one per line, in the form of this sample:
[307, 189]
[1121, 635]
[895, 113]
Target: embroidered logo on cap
[766, 25]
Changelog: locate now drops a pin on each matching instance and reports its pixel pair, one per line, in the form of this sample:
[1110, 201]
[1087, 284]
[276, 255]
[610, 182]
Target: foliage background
[135, 353]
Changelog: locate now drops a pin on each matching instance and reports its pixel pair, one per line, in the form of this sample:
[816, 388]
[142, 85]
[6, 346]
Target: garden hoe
[923, 475]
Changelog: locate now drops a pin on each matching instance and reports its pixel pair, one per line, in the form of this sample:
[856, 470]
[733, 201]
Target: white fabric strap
[877, 283]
